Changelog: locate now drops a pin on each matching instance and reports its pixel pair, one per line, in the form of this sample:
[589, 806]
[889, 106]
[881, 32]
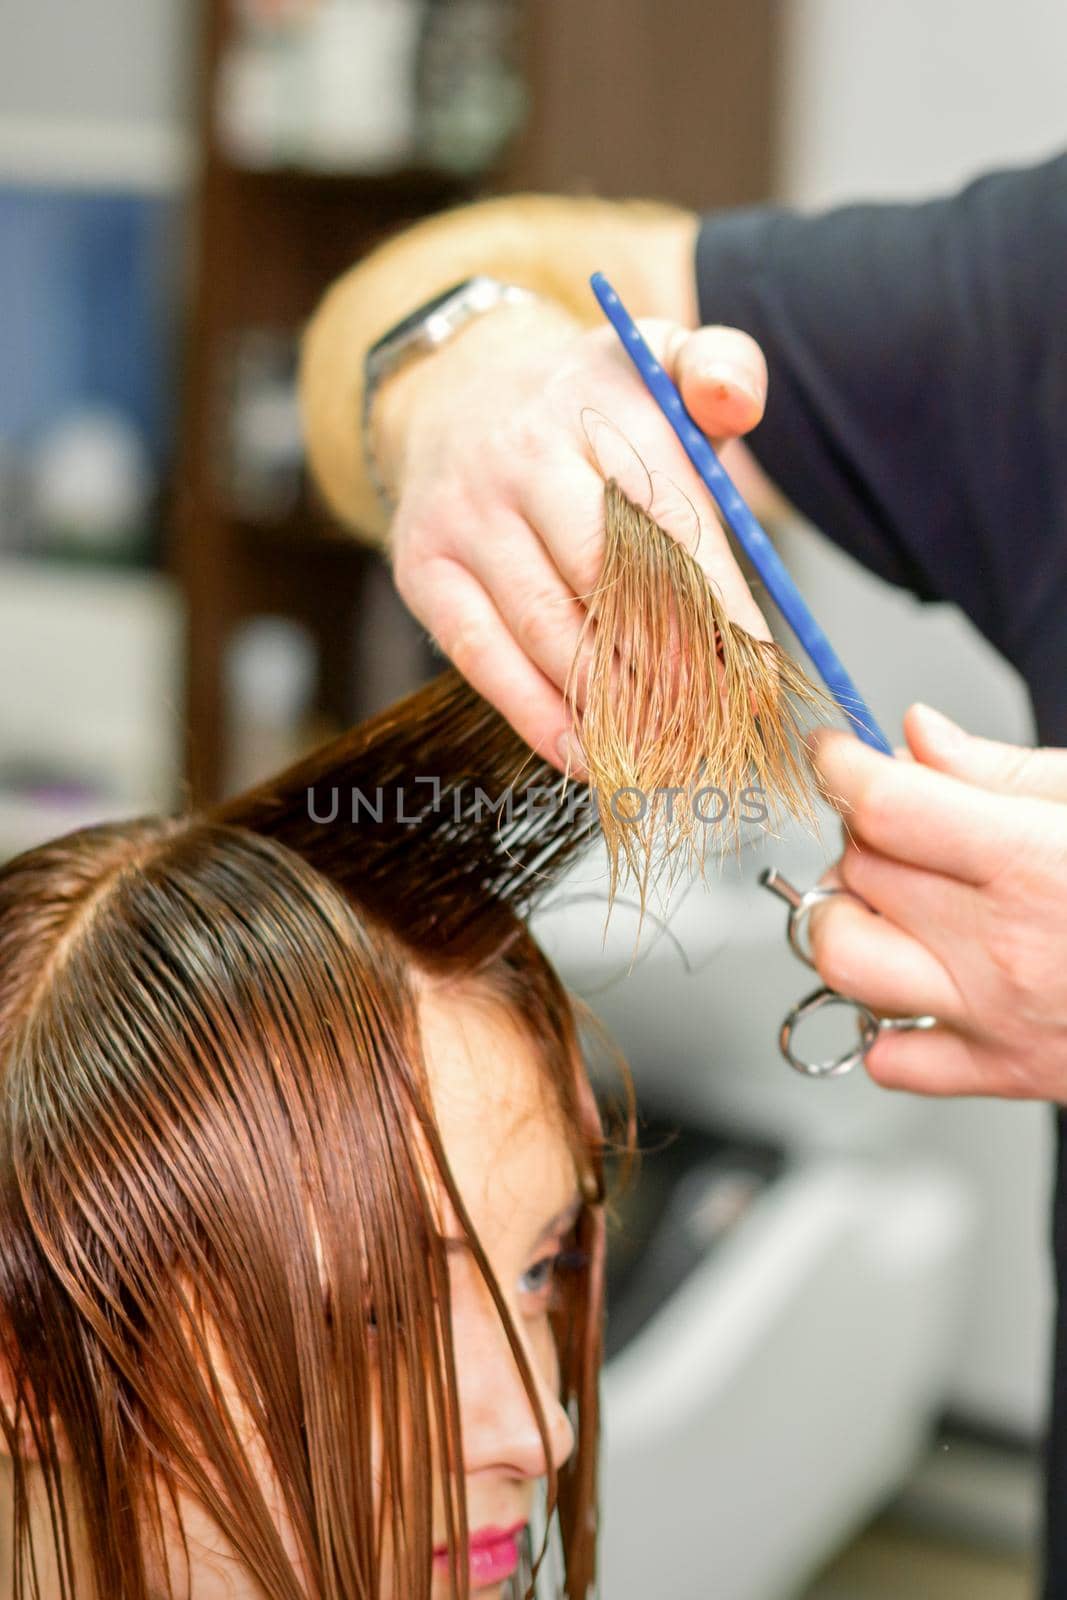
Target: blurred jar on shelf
[471, 93]
[371, 86]
[92, 489]
[14, 519]
[324, 84]
[271, 679]
[259, 465]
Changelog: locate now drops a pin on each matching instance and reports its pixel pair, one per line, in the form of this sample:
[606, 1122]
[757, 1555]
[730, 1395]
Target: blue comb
[740, 520]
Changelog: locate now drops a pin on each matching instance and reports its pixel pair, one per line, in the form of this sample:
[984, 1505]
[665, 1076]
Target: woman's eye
[543, 1276]
[540, 1276]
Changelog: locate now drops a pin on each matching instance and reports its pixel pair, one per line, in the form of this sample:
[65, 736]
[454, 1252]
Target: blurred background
[830, 1307]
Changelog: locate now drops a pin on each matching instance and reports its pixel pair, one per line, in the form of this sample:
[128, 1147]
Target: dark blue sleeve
[917, 411]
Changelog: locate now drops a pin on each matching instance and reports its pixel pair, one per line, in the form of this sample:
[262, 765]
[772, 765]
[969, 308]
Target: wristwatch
[422, 331]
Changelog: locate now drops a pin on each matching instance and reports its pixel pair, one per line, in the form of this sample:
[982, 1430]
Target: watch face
[415, 319]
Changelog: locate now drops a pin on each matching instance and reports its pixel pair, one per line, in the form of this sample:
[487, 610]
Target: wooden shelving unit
[626, 97]
[266, 244]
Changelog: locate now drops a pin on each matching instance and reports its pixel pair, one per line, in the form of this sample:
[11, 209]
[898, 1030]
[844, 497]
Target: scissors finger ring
[801, 906]
[870, 1026]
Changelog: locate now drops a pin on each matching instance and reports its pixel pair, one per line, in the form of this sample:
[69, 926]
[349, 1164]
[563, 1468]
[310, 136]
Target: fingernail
[724, 375]
[570, 751]
[942, 727]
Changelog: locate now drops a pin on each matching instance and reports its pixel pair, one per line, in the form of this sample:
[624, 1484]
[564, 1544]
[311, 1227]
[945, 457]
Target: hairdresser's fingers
[933, 907]
[938, 742]
[722, 375]
[869, 958]
[567, 508]
[572, 525]
[616, 430]
[543, 615]
[936, 1062]
[941, 1061]
[914, 814]
[472, 633]
[565, 511]
[646, 458]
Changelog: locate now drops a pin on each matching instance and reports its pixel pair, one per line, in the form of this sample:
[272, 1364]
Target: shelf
[414, 183]
[271, 239]
[146, 157]
[30, 575]
[308, 528]
[29, 565]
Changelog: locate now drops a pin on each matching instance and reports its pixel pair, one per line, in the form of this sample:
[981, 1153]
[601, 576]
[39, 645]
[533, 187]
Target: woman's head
[297, 1149]
[301, 1250]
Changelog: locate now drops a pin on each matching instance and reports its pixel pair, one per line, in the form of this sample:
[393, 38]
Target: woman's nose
[498, 1421]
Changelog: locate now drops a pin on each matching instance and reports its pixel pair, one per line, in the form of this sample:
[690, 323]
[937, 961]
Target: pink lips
[493, 1555]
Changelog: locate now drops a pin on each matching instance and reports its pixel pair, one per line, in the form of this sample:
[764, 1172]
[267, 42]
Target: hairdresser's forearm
[547, 244]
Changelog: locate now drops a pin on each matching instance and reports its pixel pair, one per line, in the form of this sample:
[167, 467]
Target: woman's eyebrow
[563, 1220]
[454, 1244]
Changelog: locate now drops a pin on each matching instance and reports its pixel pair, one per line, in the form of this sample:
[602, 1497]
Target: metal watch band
[423, 331]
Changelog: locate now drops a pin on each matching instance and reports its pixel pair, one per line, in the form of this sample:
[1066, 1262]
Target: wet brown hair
[211, 1077]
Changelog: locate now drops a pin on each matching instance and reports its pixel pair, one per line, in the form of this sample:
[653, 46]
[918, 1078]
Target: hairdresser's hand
[499, 447]
[963, 851]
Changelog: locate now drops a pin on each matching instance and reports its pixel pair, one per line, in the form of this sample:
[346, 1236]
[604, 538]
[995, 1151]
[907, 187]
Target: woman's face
[513, 1168]
[514, 1171]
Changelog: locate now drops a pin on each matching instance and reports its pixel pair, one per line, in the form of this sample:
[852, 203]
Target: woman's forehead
[497, 1111]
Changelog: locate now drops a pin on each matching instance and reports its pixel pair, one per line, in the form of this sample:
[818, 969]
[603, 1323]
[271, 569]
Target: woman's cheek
[544, 1352]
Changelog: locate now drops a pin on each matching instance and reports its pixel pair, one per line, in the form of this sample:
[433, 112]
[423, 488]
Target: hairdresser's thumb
[938, 742]
[723, 378]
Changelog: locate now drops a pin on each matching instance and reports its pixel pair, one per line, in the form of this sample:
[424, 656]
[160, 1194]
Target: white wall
[905, 99]
[96, 91]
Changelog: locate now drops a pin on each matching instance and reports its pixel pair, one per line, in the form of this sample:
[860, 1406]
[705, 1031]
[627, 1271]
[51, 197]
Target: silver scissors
[870, 1025]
